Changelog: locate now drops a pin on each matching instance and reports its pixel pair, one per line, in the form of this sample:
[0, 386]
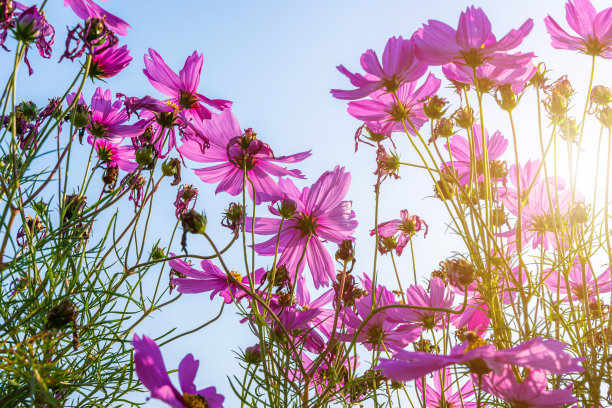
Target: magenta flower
[87, 9]
[399, 65]
[459, 147]
[383, 109]
[380, 331]
[109, 61]
[472, 43]
[475, 316]
[535, 354]
[441, 395]
[531, 392]
[407, 227]
[182, 88]
[152, 374]
[594, 29]
[210, 279]
[234, 150]
[439, 296]
[321, 215]
[115, 155]
[108, 118]
[490, 77]
[542, 220]
[578, 286]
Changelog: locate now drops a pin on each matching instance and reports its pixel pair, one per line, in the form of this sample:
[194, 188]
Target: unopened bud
[345, 252]
[193, 222]
[434, 107]
[444, 127]
[171, 167]
[61, 315]
[507, 98]
[498, 217]
[287, 208]
[601, 95]
[604, 115]
[80, 116]
[29, 24]
[252, 355]
[464, 117]
[579, 213]
[145, 155]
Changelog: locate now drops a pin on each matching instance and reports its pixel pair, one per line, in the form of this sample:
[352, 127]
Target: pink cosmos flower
[459, 147]
[439, 296]
[542, 220]
[407, 226]
[380, 331]
[182, 88]
[535, 354]
[383, 109]
[210, 279]
[441, 394]
[87, 9]
[151, 372]
[594, 29]
[472, 43]
[233, 150]
[490, 77]
[399, 65]
[531, 392]
[116, 155]
[578, 287]
[321, 215]
[108, 118]
[109, 61]
[475, 317]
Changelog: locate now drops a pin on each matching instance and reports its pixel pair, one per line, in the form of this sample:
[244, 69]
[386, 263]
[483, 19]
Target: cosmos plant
[516, 315]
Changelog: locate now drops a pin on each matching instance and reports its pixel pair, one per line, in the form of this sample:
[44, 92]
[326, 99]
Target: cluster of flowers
[388, 99]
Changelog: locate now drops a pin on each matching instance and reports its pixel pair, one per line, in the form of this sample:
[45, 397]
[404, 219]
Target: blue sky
[276, 61]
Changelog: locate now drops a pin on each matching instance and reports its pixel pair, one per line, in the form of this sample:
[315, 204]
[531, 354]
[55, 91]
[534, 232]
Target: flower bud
[539, 79]
[464, 117]
[433, 107]
[459, 271]
[569, 129]
[61, 315]
[252, 355]
[157, 254]
[145, 155]
[171, 167]
[557, 105]
[579, 214]
[29, 24]
[444, 190]
[95, 29]
[498, 217]
[604, 116]
[498, 169]
[345, 252]
[80, 116]
[40, 207]
[280, 276]
[73, 205]
[507, 98]
[111, 173]
[287, 208]
[193, 222]
[601, 95]
[444, 128]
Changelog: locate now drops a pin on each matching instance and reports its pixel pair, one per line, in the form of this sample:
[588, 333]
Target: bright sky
[276, 60]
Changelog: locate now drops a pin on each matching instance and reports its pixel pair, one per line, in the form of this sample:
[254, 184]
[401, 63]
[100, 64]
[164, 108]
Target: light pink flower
[399, 65]
[152, 373]
[594, 29]
[182, 88]
[531, 392]
[578, 287]
[233, 149]
[472, 43]
[383, 109]
[441, 395]
[321, 215]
